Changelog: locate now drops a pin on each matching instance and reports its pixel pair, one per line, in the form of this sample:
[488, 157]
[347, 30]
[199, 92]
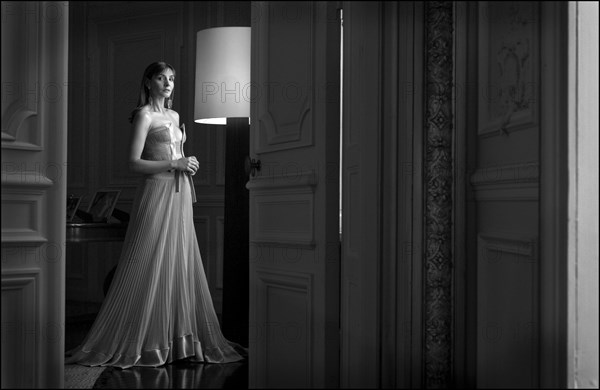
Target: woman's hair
[152, 70]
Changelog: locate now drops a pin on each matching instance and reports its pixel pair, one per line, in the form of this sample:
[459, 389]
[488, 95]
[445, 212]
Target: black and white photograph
[102, 204]
[300, 194]
[72, 206]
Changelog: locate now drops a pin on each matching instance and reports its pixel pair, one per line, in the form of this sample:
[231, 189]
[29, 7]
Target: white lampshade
[222, 74]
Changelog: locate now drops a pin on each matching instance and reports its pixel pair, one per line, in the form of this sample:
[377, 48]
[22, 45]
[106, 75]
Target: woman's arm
[141, 124]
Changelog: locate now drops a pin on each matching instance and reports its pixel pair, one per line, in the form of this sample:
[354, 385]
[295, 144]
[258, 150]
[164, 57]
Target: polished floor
[178, 375]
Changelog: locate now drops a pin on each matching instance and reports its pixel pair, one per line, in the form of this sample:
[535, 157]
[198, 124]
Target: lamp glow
[222, 75]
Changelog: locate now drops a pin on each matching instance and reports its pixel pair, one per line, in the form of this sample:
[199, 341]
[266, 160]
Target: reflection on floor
[178, 375]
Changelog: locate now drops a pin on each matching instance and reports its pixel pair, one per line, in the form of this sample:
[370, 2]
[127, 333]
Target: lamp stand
[236, 233]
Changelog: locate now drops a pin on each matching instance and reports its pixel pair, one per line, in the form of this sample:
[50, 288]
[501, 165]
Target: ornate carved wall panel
[508, 72]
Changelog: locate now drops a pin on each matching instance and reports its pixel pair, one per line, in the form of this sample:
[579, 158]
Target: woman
[158, 308]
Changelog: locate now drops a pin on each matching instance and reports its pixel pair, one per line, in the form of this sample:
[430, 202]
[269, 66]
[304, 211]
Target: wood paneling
[285, 101]
[294, 204]
[21, 326]
[22, 89]
[505, 177]
[34, 132]
[284, 323]
[285, 205]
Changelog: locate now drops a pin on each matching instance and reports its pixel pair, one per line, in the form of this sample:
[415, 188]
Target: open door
[294, 198]
[34, 150]
[515, 112]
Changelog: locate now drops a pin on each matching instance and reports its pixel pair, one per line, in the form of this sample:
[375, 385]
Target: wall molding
[515, 244]
[511, 183]
[439, 180]
[506, 175]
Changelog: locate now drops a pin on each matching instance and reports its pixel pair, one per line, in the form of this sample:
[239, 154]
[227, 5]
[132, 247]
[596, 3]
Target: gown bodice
[164, 142]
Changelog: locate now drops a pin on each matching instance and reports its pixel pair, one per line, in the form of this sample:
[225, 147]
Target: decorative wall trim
[520, 245]
[297, 283]
[509, 84]
[506, 175]
[517, 182]
[438, 262]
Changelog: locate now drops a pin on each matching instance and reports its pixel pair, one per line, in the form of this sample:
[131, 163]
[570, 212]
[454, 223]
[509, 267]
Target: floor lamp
[222, 98]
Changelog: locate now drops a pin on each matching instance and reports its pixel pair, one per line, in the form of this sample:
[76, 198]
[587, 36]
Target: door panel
[505, 183]
[294, 255]
[34, 134]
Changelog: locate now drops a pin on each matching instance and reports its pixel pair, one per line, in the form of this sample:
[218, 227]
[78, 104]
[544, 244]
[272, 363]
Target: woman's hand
[187, 164]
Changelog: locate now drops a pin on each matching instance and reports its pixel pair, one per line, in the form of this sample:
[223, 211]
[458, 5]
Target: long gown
[158, 308]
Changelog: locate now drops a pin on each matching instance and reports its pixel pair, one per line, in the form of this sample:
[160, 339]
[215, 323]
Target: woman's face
[162, 84]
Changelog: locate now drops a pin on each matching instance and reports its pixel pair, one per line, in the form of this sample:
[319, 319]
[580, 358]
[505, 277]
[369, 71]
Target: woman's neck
[157, 104]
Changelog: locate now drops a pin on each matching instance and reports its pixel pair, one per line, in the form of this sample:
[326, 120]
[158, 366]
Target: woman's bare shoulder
[143, 117]
[174, 113]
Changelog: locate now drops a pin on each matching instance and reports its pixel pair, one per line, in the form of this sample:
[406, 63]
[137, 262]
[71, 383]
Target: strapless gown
[158, 308]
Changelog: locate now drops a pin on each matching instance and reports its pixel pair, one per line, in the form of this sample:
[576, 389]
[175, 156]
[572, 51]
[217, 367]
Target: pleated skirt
[158, 308]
